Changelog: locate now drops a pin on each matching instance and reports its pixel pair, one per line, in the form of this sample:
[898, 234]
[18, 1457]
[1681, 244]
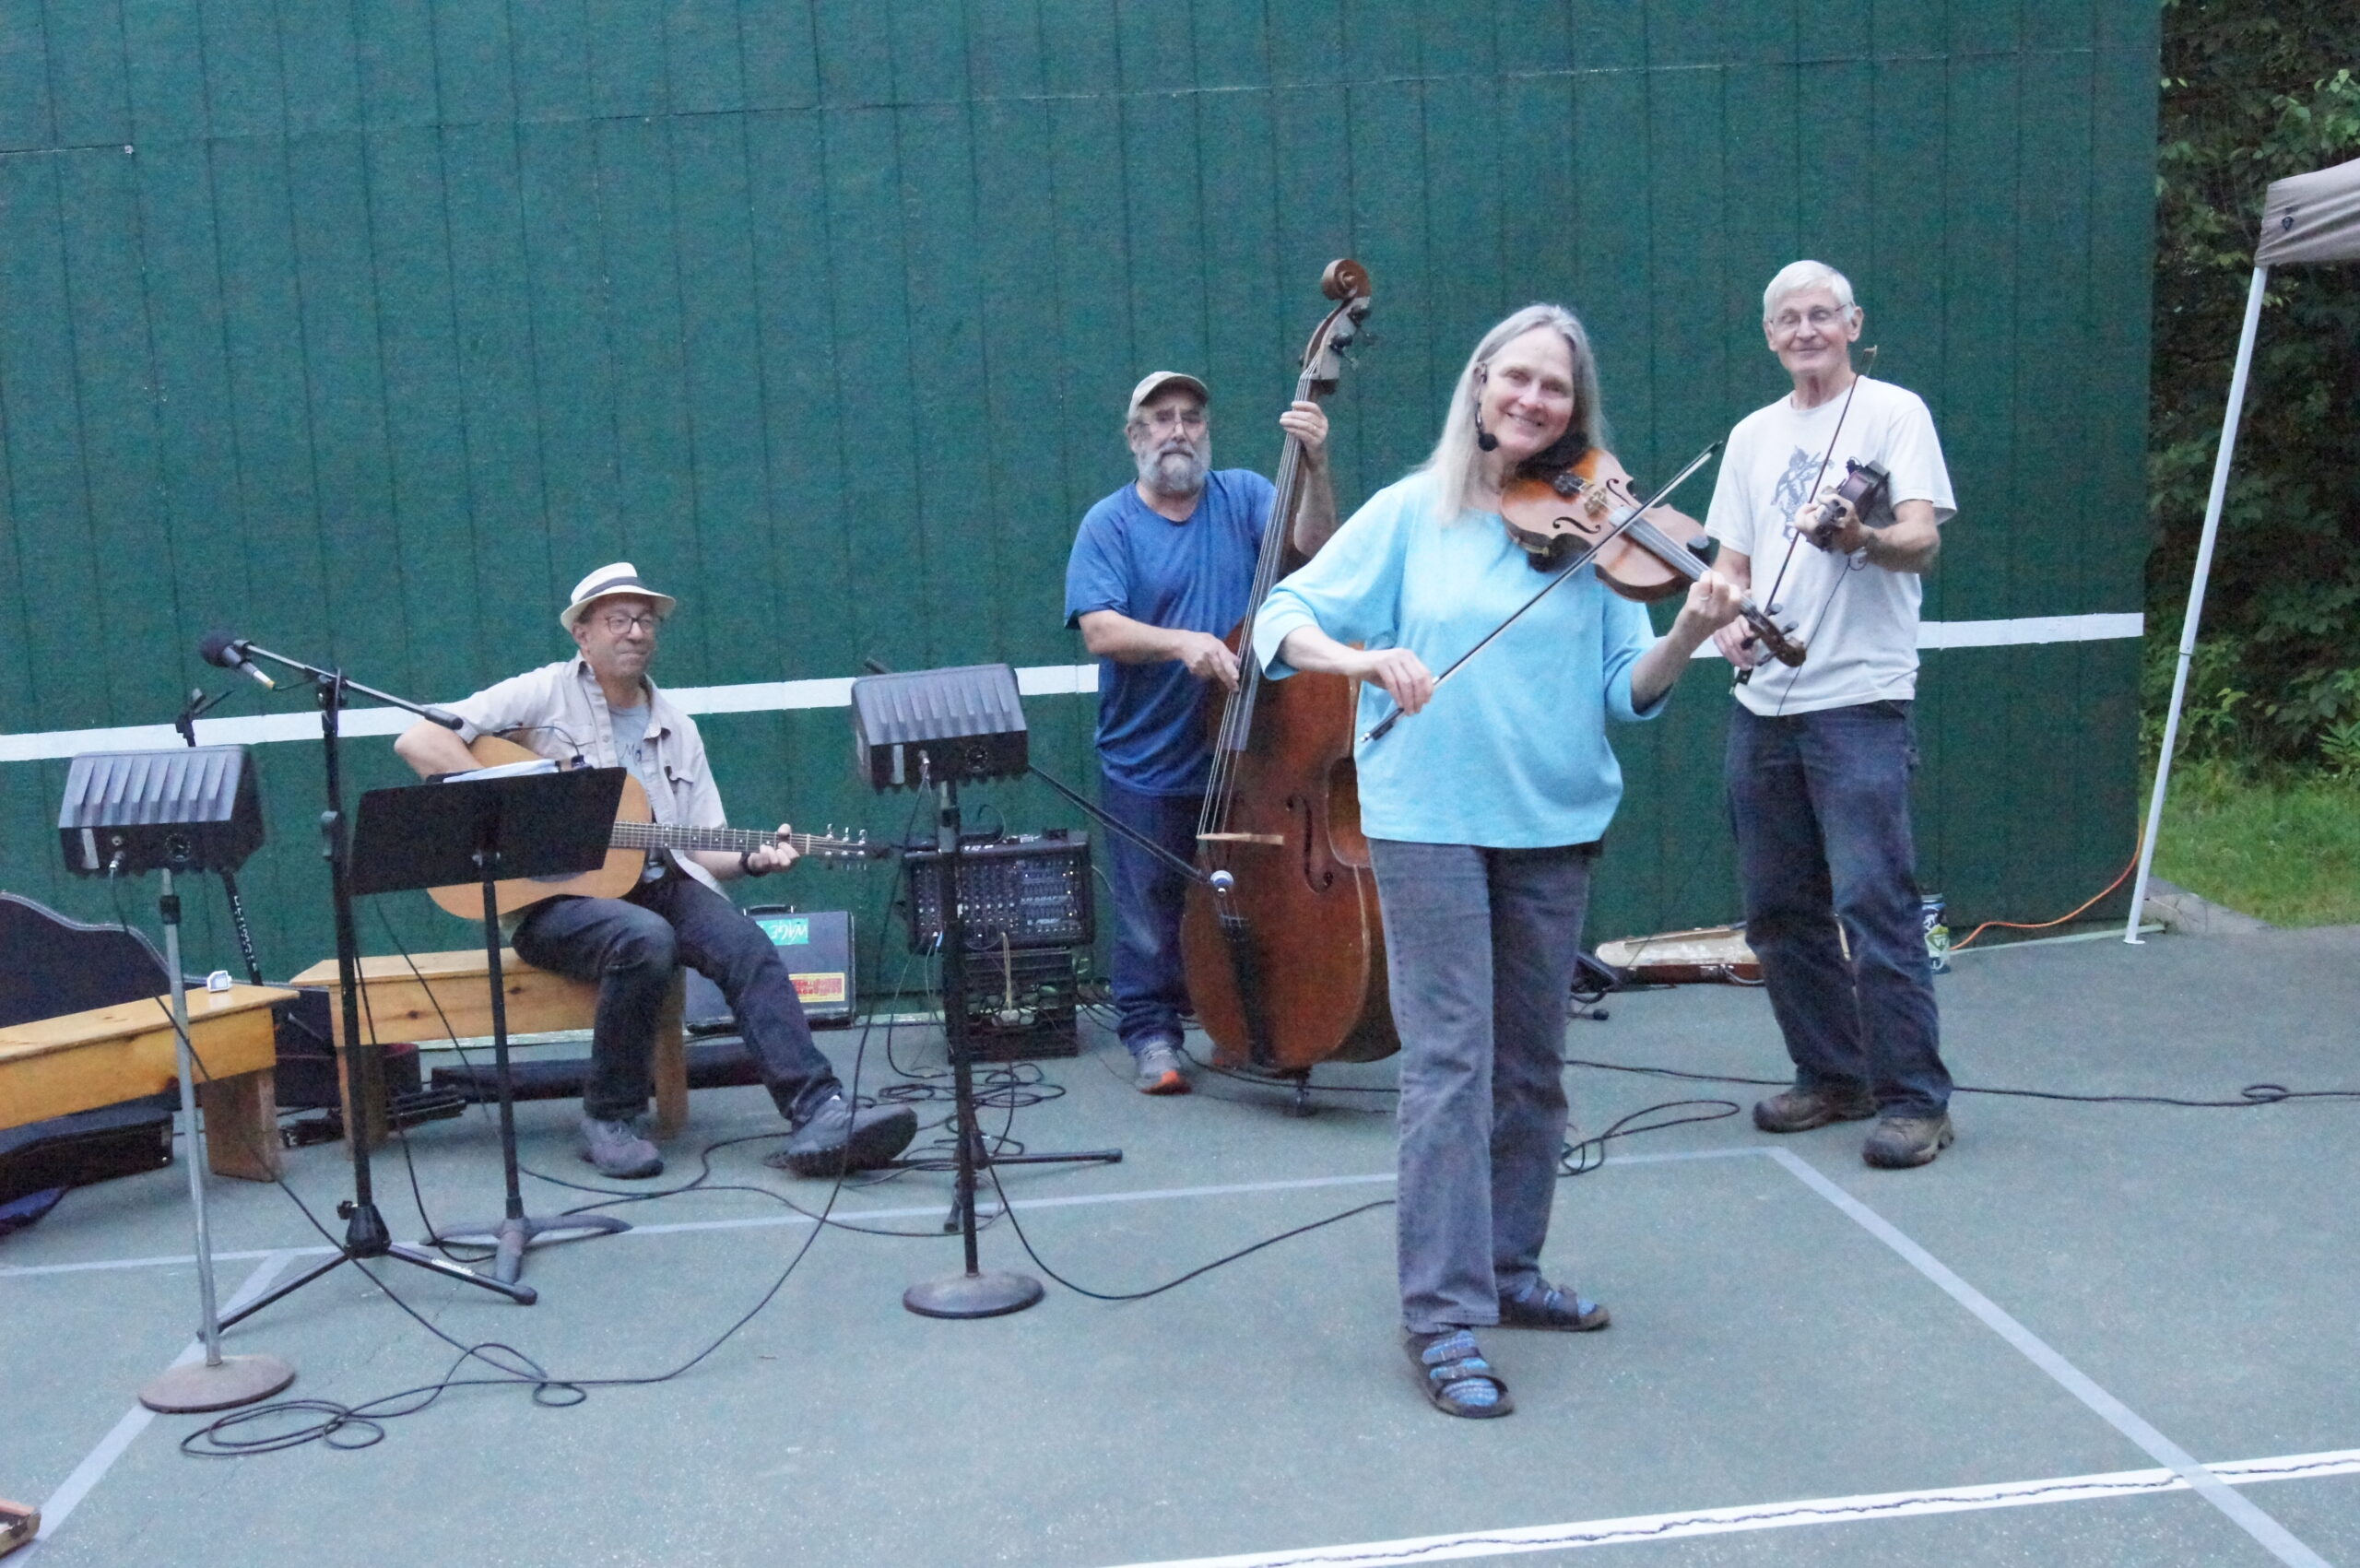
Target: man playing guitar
[601, 707]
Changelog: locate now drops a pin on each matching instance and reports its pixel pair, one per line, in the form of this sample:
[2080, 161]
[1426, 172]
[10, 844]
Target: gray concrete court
[1771, 1349]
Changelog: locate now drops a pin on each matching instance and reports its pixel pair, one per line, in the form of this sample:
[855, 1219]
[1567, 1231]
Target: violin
[1866, 487]
[1554, 515]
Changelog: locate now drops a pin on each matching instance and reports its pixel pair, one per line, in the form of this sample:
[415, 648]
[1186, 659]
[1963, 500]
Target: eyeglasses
[618, 622]
[1820, 317]
[1173, 418]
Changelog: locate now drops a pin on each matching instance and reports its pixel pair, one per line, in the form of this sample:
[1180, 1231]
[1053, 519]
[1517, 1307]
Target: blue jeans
[1149, 979]
[1821, 805]
[631, 945]
[1479, 948]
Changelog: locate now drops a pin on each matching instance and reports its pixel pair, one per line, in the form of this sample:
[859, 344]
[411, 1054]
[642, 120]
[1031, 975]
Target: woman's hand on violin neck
[1713, 605]
[1403, 675]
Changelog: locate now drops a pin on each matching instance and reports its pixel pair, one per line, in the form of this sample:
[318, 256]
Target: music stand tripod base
[511, 1236]
[991, 1293]
[196, 1388]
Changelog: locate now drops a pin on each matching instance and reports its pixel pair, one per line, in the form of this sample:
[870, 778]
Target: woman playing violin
[1483, 816]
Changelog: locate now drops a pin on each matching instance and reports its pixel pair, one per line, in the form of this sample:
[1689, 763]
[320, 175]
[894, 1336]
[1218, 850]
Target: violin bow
[1377, 732]
[1868, 365]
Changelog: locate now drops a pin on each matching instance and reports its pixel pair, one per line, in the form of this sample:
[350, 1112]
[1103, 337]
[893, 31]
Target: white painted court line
[2242, 1511]
[861, 1216]
[61, 1504]
[1776, 1515]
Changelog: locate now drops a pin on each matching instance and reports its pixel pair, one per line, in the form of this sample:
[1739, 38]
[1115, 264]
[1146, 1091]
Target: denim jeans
[631, 945]
[1821, 805]
[1479, 949]
[1149, 980]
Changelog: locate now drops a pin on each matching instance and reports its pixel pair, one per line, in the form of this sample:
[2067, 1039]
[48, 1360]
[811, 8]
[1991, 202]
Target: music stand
[483, 831]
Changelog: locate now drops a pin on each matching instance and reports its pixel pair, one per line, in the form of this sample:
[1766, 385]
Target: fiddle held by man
[1483, 815]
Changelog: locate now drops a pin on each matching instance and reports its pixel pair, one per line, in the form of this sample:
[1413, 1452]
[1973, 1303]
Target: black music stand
[484, 831]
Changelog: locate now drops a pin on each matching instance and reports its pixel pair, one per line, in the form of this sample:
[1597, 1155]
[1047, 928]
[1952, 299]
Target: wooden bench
[447, 996]
[54, 1066]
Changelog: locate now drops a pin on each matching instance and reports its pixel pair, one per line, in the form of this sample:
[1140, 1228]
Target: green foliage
[2254, 90]
[2274, 843]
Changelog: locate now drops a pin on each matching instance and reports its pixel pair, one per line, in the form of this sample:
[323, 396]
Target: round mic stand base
[993, 1293]
[222, 1385]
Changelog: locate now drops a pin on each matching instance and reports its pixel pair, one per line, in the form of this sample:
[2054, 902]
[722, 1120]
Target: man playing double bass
[1160, 573]
[1820, 756]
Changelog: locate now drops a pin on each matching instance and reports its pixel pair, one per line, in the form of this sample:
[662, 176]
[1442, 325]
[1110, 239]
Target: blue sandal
[1458, 1380]
[1543, 1305]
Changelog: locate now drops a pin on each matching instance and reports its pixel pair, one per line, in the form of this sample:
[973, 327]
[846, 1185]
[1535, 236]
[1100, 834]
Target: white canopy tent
[2305, 219]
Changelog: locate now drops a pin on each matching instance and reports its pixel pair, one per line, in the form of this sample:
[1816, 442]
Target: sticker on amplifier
[820, 987]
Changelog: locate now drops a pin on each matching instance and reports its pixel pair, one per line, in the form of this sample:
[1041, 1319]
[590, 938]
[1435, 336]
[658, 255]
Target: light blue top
[1512, 752]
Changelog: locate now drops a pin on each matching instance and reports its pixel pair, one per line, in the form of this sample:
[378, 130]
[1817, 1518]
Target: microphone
[220, 648]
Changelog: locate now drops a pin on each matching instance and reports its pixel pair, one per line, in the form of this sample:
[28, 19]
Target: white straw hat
[621, 577]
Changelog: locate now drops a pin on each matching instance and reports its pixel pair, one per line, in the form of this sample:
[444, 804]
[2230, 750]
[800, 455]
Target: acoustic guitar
[636, 833]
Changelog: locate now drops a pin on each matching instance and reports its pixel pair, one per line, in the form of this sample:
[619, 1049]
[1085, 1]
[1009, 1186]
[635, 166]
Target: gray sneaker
[617, 1150]
[835, 1139]
[1799, 1110]
[1159, 1068]
[1901, 1142]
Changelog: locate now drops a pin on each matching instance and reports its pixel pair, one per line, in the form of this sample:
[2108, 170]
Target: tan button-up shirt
[559, 711]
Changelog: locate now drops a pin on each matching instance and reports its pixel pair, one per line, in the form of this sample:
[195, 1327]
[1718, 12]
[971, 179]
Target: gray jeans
[1481, 945]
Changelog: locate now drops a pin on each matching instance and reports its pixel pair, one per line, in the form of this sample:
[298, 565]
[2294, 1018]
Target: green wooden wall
[365, 326]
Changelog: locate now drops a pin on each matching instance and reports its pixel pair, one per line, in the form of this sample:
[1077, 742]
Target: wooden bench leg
[242, 1125]
[671, 1060]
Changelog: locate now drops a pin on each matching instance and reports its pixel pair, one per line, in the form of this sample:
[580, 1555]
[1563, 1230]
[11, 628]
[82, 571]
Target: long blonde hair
[1456, 460]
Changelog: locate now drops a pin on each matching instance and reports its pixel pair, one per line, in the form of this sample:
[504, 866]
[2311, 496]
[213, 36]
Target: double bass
[1281, 936]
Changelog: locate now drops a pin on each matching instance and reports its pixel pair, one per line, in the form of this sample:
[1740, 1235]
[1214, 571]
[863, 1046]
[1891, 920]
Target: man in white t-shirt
[1820, 756]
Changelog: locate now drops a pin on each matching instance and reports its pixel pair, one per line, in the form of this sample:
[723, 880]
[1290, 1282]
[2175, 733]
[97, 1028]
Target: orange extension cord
[2044, 925]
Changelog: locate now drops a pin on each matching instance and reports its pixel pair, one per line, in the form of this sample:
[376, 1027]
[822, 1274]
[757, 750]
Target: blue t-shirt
[1191, 576]
[1512, 753]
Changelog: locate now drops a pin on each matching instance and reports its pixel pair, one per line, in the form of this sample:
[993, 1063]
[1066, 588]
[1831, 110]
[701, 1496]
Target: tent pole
[2196, 599]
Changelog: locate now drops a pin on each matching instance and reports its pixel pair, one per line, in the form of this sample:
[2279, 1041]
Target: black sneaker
[1799, 1110]
[836, 1138]
[1901, 1143]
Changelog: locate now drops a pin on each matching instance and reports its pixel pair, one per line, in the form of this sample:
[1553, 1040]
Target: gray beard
[1174, 474]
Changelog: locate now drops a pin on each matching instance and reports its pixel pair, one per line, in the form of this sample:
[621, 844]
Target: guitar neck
[738, 841]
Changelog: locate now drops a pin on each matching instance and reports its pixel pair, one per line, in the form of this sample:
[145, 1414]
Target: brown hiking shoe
[1799, 1110]
[1901, 1143]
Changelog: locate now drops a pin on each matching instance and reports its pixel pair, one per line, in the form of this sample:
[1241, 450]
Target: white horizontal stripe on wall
[782, 696]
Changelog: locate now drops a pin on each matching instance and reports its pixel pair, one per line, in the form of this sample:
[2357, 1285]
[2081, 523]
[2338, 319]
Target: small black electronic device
[1032, 889]
[930, 727]
[190, 808]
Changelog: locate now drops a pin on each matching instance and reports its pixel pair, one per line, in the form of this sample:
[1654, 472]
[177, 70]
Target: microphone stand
[365, 1235]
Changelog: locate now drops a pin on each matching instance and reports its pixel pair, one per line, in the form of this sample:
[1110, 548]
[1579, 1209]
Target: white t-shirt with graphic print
[1861, 621]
